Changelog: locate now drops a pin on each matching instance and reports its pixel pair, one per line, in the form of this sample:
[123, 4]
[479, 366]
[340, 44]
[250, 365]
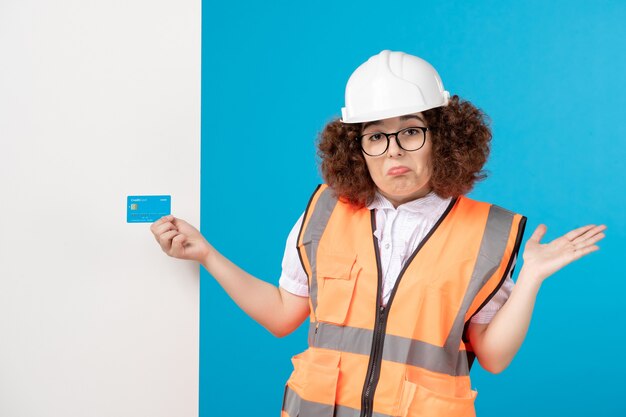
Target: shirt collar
[424, 205]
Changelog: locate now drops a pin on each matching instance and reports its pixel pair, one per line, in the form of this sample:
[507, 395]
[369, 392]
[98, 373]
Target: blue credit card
[147, 208]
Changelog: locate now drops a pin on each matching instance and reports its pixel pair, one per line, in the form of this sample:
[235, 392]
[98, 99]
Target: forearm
[259, 299]
[507, 330]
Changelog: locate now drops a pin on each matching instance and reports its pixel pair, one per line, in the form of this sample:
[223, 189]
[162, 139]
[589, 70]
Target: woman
[392, 228]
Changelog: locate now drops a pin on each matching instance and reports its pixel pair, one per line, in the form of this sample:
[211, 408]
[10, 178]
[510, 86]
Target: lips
[398, 170]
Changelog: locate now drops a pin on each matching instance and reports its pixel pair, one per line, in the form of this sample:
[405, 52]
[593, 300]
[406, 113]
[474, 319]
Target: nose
[394, 148]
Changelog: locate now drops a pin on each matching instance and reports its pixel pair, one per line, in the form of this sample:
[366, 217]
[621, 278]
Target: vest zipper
[374, 371]
[376, 355]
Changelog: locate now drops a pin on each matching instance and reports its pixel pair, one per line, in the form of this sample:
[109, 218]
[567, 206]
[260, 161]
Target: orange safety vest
[410, 357]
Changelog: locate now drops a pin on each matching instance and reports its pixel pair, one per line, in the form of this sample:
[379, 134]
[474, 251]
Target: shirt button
[386, 245]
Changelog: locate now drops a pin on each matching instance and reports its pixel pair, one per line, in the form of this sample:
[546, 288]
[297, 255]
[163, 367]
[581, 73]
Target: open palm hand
[547, 258]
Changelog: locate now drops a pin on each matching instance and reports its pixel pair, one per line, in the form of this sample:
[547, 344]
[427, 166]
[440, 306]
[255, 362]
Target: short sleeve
[488, 312]
[293, 278]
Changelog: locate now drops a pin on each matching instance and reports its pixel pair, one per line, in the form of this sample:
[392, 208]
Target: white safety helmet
[392, 84]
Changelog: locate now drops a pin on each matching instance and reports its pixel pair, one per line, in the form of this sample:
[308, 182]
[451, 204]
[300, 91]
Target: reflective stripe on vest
[313, 233]
[391, 360]
[295, 406]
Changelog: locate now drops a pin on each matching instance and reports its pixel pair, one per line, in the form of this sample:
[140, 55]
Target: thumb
[178, 243]
[539, 232]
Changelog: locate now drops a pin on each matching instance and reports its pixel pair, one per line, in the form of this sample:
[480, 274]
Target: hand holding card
[179, 239]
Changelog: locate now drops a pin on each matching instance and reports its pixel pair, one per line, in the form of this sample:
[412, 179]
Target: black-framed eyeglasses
[410, 139]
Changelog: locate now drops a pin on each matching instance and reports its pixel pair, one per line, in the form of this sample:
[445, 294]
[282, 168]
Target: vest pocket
[313, 386]
[417, 400]
[337, 275]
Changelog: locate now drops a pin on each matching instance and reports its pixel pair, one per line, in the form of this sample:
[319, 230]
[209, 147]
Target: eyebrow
[402, 118]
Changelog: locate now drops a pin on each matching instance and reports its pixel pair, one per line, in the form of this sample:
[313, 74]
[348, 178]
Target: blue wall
[551, 77]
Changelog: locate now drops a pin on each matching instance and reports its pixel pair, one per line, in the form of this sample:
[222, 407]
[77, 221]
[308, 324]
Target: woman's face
[400, 186]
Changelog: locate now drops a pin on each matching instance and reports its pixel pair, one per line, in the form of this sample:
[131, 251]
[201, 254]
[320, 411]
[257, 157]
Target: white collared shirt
[398, 231]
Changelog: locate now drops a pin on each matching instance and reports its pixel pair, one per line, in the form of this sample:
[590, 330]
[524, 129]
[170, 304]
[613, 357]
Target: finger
[579, 253]
[160, 222]
[165, 240]
[589, 233]
[178, 244]
[538, 233]
[157, 227]
[589, 241]
[164, 228]
[573, 234]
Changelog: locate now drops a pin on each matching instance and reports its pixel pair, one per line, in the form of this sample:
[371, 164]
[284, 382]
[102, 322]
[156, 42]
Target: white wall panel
[98, 100]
